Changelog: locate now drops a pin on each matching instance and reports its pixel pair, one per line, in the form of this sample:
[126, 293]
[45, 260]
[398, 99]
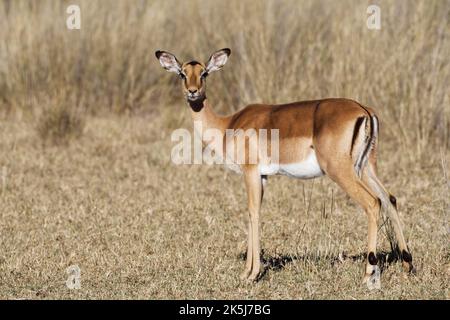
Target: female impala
[336, 137]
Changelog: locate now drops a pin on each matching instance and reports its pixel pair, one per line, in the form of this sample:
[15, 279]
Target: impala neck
[202, 111]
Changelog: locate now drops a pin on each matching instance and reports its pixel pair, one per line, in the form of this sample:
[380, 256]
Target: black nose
[192, 90]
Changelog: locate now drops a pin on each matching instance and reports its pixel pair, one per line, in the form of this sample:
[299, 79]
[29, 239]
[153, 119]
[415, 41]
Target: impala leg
[372, 261]
[371, 204]
[405, 254]
[391, 206]
[249, 258]
[254, 192]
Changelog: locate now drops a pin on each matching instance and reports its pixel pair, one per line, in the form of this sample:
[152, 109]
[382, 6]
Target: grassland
[86, 175]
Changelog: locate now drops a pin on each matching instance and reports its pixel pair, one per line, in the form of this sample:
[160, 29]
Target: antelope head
[193, 73]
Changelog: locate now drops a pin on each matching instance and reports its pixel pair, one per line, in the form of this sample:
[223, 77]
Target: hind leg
[355, 188]
[390, 204]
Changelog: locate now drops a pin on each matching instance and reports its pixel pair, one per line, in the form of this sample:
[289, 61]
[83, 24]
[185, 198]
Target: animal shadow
[276, 263]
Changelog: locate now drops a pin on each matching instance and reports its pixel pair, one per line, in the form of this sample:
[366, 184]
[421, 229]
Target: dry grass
[59, 125]
[109, 200]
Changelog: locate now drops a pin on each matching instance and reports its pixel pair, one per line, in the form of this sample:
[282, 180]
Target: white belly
[308, 168]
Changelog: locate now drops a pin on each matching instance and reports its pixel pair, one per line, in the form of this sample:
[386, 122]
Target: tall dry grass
[282, 51]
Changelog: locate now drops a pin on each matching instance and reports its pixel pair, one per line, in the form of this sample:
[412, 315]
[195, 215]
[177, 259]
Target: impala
[333, 137]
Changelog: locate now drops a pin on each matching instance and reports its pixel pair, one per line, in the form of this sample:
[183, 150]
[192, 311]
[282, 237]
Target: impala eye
[204, 74]
[182, 76]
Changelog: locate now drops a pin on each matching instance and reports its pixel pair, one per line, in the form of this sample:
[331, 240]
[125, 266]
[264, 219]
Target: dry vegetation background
[85, 124]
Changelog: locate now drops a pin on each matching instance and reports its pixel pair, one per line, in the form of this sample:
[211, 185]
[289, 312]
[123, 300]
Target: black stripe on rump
[358, 124]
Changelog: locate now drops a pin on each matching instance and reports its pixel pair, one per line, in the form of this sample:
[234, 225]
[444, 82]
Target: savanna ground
[86, 175]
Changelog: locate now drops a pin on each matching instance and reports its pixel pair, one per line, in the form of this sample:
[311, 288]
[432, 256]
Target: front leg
[249, 258]
[253, 183]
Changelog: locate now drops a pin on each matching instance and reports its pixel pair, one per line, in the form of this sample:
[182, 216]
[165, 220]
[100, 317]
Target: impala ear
[217, 60]
[168, 61]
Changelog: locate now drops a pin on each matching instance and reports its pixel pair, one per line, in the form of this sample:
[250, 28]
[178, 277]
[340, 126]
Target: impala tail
[364, 142]
[365, 136]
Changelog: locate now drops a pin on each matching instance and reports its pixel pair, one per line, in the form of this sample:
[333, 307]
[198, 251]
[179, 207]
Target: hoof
[413, 270]
[244, 275]
[409, 268]
[373, 280]
[253, 277]
[407, 262]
